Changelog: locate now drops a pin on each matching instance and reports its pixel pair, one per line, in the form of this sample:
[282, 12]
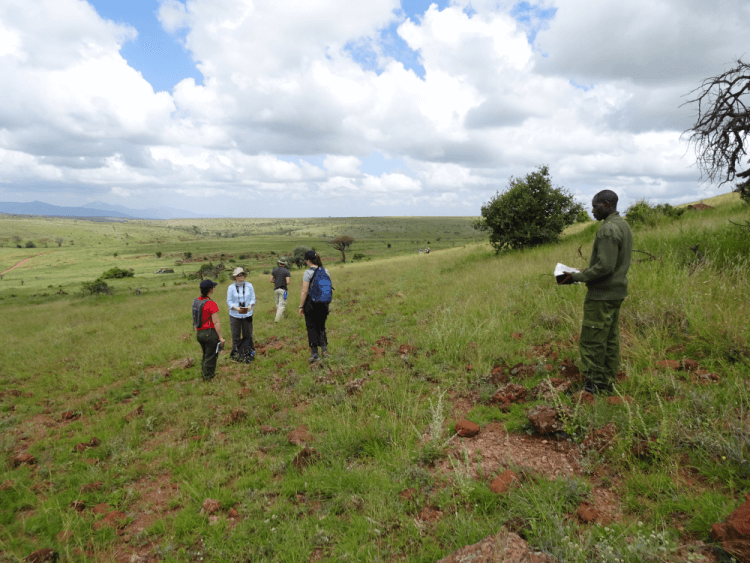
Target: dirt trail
[20, 263]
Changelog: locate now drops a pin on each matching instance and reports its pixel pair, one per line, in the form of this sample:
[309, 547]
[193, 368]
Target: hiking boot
[324, 351]
[314, 355]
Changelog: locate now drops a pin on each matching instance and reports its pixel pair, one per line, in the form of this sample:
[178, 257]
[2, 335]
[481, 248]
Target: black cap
[208, 284]
[310, 255]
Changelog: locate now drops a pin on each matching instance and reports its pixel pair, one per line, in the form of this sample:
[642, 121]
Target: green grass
[103, 356]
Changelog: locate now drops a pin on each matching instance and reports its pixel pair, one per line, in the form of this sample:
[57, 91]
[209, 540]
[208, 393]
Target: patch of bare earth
[154, 496]
[494, 450]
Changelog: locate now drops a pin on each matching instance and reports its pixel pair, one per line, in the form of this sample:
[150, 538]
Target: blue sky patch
[532, 18]
[157, 55]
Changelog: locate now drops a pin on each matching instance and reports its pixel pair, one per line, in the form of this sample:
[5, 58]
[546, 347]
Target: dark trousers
[242, 337]
[600, 342]
[208, 339]
[315, 321]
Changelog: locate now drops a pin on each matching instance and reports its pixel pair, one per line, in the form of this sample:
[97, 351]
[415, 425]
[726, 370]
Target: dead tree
[342, 244]
[720, 132]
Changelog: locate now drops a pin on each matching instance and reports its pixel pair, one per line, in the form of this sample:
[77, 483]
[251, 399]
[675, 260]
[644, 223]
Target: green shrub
[646, 213]
[358, 256]
[96, 286]
[158, 254]
[188, 255]
[117, 273]
[30, 244]
[529, 213]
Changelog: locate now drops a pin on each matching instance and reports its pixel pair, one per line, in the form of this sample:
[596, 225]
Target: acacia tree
[530, 212]
[342, 244]
[720, 132]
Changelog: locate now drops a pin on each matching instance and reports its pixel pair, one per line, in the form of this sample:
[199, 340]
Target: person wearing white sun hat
[241, 301]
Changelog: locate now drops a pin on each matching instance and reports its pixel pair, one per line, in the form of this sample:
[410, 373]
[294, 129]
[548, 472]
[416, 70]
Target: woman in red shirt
[209, 333]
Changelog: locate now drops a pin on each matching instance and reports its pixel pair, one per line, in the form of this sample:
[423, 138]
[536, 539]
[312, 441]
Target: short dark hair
[607, 197]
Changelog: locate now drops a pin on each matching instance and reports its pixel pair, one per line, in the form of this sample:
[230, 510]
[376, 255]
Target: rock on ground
[734, 532]
[467, 428]
[503, 547]
[545, 419]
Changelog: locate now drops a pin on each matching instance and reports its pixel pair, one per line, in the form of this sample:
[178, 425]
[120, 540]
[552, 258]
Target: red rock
[265, 429]
[94, 442]
[305, 457]
[210, 506]
[502, 482]
[237, 415]
[668, 364]
[102, 508]
[378, 352]
[91, 487]
[45, 555]
[498, 374]
[689, 365]
[617, 400]
[114, 519]
[70, 415]
[408, 494]
[82, 447]
[505, 547]
[584, 397]
[64, 536]
[569, 370]
[510, 393]
[545, 419]
[233, 513]
[522, 370]
[242, 393]
[300, 436]
[467, 429]
[734, 532]
[21, 459]
[516, 335]
[78, 505]
[187, 363]
[587, 513]
[133, 414]
[430, 514]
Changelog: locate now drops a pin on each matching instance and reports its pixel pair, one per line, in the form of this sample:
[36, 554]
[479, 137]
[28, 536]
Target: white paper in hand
[562, 268]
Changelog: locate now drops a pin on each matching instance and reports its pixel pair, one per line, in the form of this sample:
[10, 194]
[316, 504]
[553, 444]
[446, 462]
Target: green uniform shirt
[607, 274]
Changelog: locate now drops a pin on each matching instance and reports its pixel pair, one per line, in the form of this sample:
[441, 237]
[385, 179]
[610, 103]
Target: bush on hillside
[529, 213]
[96, 286]
[30, 244]
[117, 273]
[298, 255]
[583, 217]
[646, 213]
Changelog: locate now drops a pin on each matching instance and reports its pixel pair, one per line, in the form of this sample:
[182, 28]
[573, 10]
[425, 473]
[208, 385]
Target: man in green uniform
[607, 283]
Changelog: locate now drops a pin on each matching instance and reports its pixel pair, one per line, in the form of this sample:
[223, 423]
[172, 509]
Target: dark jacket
[607, 274]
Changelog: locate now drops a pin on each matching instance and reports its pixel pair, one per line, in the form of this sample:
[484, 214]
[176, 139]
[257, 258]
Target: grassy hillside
[89, 248]
[418, 343]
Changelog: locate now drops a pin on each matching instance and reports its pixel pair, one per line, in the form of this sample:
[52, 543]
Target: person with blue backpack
[317, 292]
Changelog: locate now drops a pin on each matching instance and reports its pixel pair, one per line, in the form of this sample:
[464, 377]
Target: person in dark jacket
[315, 313]
[607, 282]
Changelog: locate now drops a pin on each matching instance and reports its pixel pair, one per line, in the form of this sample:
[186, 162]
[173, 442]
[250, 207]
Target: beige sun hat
[238, 271]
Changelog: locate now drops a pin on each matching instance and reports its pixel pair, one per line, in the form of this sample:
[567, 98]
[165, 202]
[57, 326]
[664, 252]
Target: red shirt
[209, 309]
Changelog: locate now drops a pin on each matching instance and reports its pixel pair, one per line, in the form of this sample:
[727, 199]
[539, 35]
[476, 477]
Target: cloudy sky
[275, 108]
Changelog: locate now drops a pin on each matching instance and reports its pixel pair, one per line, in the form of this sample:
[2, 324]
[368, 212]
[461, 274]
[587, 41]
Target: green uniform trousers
[208, 339]
[600, 342]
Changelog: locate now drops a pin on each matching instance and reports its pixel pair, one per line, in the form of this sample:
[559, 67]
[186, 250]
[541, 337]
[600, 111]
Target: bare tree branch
[720, 133]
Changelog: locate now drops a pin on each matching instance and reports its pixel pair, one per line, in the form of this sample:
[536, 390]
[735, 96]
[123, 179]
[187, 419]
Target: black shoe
[591, 387]
[314, 357]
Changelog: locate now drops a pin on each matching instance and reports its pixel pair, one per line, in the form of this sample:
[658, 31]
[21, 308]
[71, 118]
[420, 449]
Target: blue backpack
[321, 288]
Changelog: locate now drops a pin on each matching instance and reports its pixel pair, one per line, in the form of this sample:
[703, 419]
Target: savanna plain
[114, 449]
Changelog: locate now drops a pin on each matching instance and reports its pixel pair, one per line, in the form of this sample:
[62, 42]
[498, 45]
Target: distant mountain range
[96, 209]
